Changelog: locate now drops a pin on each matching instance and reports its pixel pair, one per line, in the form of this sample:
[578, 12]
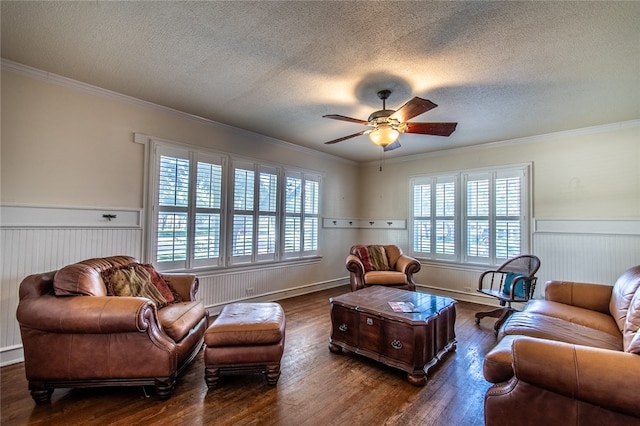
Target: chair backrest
[526, 264]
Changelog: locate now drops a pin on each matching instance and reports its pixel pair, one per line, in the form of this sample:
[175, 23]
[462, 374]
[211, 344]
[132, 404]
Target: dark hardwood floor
[316, 387]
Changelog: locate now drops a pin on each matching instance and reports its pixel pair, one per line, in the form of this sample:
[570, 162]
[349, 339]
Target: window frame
[156, 148]
[463, 218]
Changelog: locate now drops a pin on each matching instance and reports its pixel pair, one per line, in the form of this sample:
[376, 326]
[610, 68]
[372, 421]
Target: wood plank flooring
[316, 387]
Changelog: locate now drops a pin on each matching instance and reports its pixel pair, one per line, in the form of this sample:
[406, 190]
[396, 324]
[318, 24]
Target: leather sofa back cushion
[631, 333]
[83, 278]
[623, 291]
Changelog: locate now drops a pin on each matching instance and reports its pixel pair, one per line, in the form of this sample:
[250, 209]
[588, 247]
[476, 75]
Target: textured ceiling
[502, 70]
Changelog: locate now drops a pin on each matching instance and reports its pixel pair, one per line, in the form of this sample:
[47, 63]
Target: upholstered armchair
[76, 332]
[381, 265]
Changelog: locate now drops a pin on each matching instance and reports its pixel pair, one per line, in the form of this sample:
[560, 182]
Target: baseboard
[282, 294]
[11, 355]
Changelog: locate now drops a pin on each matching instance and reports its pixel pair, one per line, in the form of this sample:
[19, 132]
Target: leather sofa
[75, 335]
[572, 358]
[397, 271]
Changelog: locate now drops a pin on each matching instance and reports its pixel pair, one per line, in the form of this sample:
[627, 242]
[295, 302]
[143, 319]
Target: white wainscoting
[40, 239]
[596, 251]
[36, 238]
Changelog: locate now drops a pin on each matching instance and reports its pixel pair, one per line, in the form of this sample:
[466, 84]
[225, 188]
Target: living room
[74, 151]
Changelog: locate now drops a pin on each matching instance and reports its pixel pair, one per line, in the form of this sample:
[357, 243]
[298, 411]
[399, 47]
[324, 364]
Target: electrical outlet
[467, 289]
[249, 291]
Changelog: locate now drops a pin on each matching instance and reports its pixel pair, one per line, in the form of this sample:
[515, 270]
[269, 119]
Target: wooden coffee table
[364, 322]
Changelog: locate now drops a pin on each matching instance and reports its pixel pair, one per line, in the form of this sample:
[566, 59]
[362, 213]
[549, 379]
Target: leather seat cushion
[247, 324]
[385, 277]
[178, 319]
[574, 314]
[546, 327]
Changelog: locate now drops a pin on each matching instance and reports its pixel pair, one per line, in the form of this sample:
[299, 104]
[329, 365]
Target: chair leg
[501, 313]
[496, 313]
[502, 319]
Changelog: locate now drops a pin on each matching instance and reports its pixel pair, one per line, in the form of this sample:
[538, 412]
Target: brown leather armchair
[397, 272]
[74, 335]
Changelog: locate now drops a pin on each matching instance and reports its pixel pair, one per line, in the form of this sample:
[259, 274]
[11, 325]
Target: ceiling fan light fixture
[384, 135]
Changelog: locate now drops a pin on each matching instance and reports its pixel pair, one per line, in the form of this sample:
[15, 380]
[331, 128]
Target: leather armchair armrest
[408, 266]
[601, 377]
[356, 268]
[87, 314]
[595, 297]
[185, 284]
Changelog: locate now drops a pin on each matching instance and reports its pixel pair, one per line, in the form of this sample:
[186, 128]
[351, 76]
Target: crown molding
[15, 67]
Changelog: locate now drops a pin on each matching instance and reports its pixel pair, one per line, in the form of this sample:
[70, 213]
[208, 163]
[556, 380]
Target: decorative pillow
[378, 258]
[508, 281]
[134, 281]
[160, 283]
[363, 254]
[631, 332]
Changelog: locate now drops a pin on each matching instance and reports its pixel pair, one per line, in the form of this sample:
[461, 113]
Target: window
[477, 217]
[205, 214]
[301, 217]
[188, 206]
[255, 212]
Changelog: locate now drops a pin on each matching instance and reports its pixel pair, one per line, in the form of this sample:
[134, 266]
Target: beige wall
[62, 146]
[586, 174]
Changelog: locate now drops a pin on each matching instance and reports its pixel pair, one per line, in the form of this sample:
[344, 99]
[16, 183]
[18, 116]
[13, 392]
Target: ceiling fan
[387, 124]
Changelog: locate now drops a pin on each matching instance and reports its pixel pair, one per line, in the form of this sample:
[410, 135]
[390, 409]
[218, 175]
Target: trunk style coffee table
[365, 323]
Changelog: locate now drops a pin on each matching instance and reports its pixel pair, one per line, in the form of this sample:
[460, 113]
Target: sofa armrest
[408, 266]
[594, 297]
[186, 285]
[87, 314]
[356, 268]
[601, 377]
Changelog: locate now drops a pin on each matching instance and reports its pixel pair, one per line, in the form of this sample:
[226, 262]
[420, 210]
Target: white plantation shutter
[301, 214]
[210, 210]
[491, 207]
[187, 224]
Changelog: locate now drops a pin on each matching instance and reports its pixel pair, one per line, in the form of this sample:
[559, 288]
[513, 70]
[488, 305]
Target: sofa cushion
[631, 332]
[574, 314]
[623, 291]
[179, 318]
[83, 278]
[385, 277]
[547, 327]
[247, 324]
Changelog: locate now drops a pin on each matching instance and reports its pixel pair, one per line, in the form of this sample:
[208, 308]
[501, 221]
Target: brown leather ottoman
[246, 338]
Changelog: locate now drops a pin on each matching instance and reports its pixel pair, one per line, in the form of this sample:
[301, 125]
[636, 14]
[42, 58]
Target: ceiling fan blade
[413, 108]
[391, 146]
[437, 129]
[346, 137]
[344, 118]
